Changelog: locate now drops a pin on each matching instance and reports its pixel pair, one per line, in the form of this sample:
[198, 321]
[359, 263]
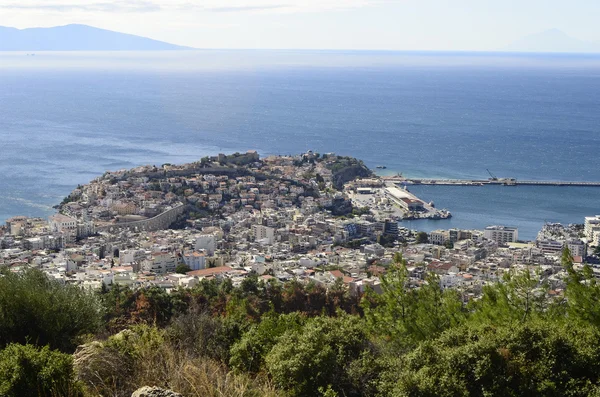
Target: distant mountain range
[552, 40]
[88, 38]
[77, 38]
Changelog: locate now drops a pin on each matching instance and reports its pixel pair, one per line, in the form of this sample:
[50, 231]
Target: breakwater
[482, 182]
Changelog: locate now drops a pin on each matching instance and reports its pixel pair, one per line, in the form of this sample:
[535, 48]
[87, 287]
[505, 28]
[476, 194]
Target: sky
[449, 25]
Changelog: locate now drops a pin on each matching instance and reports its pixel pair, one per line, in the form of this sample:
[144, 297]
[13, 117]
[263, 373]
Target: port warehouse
[404, 199]
[401, 197]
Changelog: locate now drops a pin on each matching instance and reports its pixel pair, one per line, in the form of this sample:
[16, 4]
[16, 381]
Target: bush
[125, 362]
[34, 309]
[248, 354]
[319, 356]
[202, 335]
[540, 358]
[28, 371]
[182, 268]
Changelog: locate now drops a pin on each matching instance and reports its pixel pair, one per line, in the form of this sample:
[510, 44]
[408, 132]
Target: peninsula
[277, 214]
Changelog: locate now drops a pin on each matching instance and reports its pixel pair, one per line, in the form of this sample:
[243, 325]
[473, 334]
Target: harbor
[394, 201]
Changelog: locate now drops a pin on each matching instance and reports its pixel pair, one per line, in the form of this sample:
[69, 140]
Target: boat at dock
[440, 214]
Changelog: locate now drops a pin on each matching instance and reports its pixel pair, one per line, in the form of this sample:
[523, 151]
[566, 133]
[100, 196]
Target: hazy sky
[329, 24]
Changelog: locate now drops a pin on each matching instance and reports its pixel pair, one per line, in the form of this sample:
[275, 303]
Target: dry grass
[197, 377]
[110, 372]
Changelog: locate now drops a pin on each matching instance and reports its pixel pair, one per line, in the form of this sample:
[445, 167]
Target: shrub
[248, 354]
[534, 358]
[34, 309]
[28, 371]
[318, 356]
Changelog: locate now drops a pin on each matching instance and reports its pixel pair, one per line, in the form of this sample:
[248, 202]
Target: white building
[131, 255]
[374, 250]
[438, 237]
[592, 228]
[16, 225]
[263, 234]
[124, 278]
[450, 280]
[36, 243]
[86, 229]
[206, 242]
[62, 224]
[161, 263]
[550, 246]
[501, 234]
[195, 260]
[577, 248]
[182, 280]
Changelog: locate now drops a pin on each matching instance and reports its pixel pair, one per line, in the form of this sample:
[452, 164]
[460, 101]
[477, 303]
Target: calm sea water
[67, 117]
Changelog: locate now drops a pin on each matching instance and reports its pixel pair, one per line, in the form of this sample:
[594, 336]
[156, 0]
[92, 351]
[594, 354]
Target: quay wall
[159, 222]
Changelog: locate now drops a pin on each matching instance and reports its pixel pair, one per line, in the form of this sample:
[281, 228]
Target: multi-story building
[592, 228]
[160, 263]
[195, 260]
[63, 224]
[438, 237]
[125, 209]
[263, 233]
[16, 225]
[131, 255]
[501, 234]
[577, 248]
[454, 235]
[206, 242]
[550, 246]
[86, 229]
[374, 250]
[390, 227]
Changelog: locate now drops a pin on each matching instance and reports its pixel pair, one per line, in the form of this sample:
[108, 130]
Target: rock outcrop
[154, 392]
[350, 173]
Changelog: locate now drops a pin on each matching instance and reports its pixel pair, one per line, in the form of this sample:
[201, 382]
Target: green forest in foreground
[273, 339]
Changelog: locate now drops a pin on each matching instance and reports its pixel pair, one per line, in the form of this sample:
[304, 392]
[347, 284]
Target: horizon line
[426, 51]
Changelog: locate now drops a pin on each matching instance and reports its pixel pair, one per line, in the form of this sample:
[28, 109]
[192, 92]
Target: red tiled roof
[210, 272]
[122, 268]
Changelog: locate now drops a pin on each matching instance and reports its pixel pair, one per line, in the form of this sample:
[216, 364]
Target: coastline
[470, 206]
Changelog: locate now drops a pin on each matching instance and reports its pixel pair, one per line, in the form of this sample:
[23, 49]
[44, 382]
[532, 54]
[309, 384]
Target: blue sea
[65, 118]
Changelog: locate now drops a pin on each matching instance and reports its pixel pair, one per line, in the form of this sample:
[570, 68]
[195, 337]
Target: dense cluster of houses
[274, 219]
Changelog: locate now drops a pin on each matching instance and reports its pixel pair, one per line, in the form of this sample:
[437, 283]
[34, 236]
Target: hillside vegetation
[272, 339]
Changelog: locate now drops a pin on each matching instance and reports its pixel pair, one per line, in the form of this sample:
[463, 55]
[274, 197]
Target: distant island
[553, 40]
[77, 38]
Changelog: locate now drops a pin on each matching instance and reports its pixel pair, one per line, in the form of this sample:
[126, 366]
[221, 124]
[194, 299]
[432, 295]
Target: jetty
[483, 182]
